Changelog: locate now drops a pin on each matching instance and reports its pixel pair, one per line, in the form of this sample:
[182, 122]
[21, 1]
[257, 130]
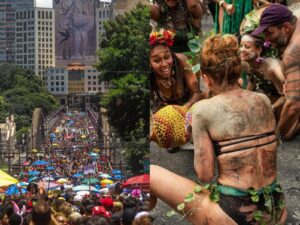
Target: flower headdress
[162, 37]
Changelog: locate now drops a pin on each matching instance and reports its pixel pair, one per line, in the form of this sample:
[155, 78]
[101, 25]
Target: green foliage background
[20, 92]
[124, 62]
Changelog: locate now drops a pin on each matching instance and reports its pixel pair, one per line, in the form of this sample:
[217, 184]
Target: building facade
[35, 40]
[7, 27]
[103, 13]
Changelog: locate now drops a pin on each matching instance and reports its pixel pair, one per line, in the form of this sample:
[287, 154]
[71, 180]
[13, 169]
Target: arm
[203, 147]
[194, 8]
[154, 12]
[191, 81]
[291, 108]
[275, 74]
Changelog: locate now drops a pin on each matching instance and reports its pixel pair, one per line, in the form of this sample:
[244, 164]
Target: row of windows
[104, 14]
[20, 62]
[94, 89]
[94, 82]
[45, 50]
[45, 34]
[25, 15]
[45, 45]
[45, 23]
[44, 15]
[57, 83]
[45, 61]
[45, 28]
[45, 39]
[57, 77]
[57, 89]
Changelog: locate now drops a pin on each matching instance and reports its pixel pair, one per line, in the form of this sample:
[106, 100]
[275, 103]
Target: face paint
[247, 49]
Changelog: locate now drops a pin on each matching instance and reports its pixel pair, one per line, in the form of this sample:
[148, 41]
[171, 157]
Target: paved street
[182, 163]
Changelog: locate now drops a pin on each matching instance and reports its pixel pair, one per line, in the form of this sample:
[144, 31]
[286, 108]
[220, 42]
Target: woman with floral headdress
[265, 73]
[172, 83]
[235, 128]
[171, 78]
[182, 16]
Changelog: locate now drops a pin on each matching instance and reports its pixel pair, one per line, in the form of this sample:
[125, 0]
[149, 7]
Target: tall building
[103, 13]
[7, 27]
[35, 39]
[75, 32]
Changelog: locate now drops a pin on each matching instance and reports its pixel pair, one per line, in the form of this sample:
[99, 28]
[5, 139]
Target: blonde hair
[220, 60]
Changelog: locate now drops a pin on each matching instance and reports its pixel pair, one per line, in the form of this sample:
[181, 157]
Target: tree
[124, 62]
[20, 92]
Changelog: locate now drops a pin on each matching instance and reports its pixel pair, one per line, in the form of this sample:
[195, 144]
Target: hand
[230, 9]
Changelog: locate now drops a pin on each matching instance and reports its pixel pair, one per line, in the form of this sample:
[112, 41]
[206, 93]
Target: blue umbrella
[33, 179]
[14, 190]
[118, 176]
[33, 173]
[116, 172]
[40, 163]
[50, 168]
[77, 175]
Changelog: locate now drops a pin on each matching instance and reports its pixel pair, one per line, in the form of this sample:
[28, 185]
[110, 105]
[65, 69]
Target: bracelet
[221, 3]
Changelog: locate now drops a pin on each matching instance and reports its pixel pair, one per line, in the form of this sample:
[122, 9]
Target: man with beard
[282, 29]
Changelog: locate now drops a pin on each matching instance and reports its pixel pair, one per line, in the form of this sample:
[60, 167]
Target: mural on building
[75, 31]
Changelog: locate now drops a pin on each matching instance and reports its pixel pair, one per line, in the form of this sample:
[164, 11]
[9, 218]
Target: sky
[49, 3]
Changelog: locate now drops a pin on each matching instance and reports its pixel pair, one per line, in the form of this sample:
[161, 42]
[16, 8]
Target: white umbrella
[83, 193]
[47, 179]
[84, 188]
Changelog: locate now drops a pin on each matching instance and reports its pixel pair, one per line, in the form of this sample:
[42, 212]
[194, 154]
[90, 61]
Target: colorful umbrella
[40, 163]
[33, 179]
[105, 176]
[77, 175]
[94, 154]
[22, 184]
[34, 150]
[33, 173]
[47, 179]
[118, 177]
[84, 188]
[106, 181]
[115, 172]
[6, 179]
[141, 179]
[14, 190]
[62, 180]
[91, 180]
[50, 168]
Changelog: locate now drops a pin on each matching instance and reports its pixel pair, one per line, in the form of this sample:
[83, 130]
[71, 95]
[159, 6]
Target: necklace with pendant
[167, 83]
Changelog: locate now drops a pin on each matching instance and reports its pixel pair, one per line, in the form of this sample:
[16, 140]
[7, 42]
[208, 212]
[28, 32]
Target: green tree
[20, 92]
[124, 62]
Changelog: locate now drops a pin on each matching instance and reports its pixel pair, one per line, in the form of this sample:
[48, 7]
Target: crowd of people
[74, 182]
[249, 105]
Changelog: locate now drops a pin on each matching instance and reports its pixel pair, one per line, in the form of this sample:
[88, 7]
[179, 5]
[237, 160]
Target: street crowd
[72, 182]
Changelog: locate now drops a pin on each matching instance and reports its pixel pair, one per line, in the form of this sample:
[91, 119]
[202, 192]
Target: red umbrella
[143, 179]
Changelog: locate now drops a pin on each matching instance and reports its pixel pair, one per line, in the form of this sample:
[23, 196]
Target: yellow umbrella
[97, 150]
[55, 144]
[6, 179]
[106, 181]
[83, 136]
[34, 150]
[62, 181]
[40, 154]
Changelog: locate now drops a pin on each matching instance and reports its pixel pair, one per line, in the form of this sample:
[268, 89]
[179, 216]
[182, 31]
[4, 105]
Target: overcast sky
[49, 3]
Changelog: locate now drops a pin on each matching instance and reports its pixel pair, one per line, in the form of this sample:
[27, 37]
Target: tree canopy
[124, 62]
[20, 92]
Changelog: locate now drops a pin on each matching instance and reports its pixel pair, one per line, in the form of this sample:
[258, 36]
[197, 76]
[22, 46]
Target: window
[89, 77]
[52, 83]
[62, 77]
[62, 83]
[57, 83]
[62, 89]
[94, 77]
[57, 89]
[52, 89]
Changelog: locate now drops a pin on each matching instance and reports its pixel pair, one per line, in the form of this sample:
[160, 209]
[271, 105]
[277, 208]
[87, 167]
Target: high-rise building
[35, 39]
[75, 32]
[103, 13]
[7, 27]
